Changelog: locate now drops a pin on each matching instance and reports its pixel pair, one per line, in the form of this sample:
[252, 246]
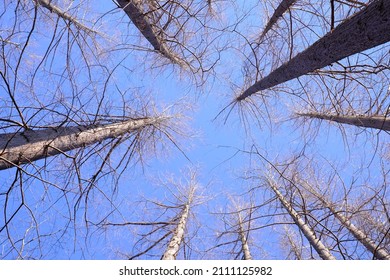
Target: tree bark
[378, 122]
[244, 241]
[307, 231]
[278, 13]
[366, 29]
[30, 145]
[367, 242]
[64, 15]
[140, 19]
[175, 242]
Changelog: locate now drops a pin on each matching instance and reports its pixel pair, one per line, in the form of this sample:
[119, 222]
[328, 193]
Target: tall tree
[364, 30]
[277, 14]
[321, 249]
[30, 145]
[377, 122]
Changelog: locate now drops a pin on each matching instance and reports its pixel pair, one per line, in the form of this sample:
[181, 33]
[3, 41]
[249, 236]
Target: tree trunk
[364, 30]
[278, 13]
[30, 145]
[174, 244]
[64, 15]
[140, 19]
[378, 122]
[370, 245]
[244, 241]
[307, 231]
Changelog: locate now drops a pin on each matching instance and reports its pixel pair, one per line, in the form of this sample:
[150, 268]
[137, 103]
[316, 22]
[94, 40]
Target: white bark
[64, 15]
[30, 145]
[307, 231]
[244, 241]
[370, 245]
[378, 122]
[364, 30]
[278, 13]
[175, 242]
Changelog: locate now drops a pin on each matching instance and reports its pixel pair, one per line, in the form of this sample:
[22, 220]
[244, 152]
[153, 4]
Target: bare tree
[365, 30]
[377, 122]
[278, 13]
[375, 249]
[321, 249]
[31, 145]
[178, 235]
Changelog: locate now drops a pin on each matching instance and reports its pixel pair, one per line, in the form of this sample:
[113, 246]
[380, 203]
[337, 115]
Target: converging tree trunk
[278, 13]
[307, 231]
[178, 235]
[30, 145]
[134, 10]
[363, 238]
[364, 30]
[378, 122]
[244, 241]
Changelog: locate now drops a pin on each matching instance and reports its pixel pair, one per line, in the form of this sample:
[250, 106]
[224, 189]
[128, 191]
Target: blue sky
[215, 148]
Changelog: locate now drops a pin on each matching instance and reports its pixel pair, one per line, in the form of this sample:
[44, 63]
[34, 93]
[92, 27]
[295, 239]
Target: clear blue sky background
[214, 152]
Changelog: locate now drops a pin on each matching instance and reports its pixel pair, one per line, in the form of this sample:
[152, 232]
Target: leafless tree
[365, 30]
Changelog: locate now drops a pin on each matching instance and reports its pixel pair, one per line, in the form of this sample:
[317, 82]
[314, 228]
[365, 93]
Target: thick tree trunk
[30, 145]
[134, 10]
[364, 30]
[307, 231]
[244, 241]
[378, 122]
[278, 13]
[175, 242]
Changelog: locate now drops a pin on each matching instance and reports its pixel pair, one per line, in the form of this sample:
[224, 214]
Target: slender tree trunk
[175, 242]
[379, 122]
[30, 145]
[244, 241]
[364, 30]
[134, 10]
[278, 13]
[370, 245]
[307, 231]
[64, 15]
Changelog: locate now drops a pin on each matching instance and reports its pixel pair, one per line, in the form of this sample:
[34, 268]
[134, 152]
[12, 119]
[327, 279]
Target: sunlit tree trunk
[370, 245]
[63, 14]
[307, 231]
[134, 10]
[278, 13]
[366, 29]
[244, 241]
[379, 122]
[30, 145]
[178, 235]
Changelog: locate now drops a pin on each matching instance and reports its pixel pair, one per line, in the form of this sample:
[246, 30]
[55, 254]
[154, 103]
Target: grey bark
[366, 29]
[178, 235]
[244, 241]
[134, 10]
[64, 15]
[307, 231]
[30, 145]
[367, 242]
[278, 13]
[378, 122]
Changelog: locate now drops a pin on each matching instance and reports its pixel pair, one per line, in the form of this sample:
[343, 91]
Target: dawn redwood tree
[366, 29]
[377, 251]
[377, 122]
[307, 231]
[31, 145]
[278, 13]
